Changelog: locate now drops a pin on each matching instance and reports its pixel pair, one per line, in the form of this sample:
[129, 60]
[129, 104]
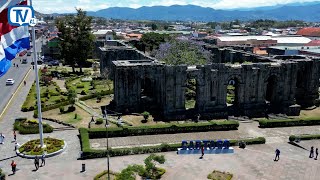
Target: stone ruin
[282, 84]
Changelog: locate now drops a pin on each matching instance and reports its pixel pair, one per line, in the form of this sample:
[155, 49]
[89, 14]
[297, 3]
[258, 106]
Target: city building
[310, 32]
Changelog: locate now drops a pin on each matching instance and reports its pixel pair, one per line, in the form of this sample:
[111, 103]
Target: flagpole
[35, 59]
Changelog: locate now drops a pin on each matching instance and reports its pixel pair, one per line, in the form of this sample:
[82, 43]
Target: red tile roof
[313, 43]
[309, 31]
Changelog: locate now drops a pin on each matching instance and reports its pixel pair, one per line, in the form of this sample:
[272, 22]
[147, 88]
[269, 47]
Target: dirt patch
[310, 113]
[218, 175]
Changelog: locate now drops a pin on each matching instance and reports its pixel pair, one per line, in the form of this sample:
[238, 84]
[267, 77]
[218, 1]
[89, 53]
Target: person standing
[202, 151]
[14, 135]
[43, 160]
[316, 154]
[13, 166]
[16, 146]
[2, 138]
[36, 162]
[277, 158]
[311, 152]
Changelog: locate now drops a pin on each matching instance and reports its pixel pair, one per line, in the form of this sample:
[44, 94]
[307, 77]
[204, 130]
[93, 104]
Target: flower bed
[33, 147]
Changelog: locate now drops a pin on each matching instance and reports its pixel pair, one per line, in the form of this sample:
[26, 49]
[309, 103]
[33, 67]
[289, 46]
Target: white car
[9, 82]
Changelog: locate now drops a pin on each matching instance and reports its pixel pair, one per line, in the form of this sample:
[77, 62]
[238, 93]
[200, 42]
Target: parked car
[9, 82]
[29, 53]
[39, 62]
[53, 63]
[24, 61]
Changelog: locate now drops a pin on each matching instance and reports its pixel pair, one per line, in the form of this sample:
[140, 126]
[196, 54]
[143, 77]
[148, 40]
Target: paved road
[17, 74]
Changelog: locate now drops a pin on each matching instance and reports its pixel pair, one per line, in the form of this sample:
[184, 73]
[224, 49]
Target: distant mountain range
[296, 11]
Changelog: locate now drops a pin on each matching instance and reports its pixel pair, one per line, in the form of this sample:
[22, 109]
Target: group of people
[313, 154]
[37, 163]
[14, 164]
[15, 65]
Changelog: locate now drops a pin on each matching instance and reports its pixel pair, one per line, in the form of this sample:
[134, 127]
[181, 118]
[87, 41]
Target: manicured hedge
[163, 129]
[289, 122]
[95, 95]
[24, 129]
[98, 176]
[88, 153]
[304, 137]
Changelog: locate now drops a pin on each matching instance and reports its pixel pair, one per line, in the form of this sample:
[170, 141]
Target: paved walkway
[246, 130]
[7, 154]
[253, 163]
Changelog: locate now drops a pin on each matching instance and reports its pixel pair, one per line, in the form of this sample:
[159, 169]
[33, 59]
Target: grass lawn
[138, 120]
[87, 87]
[82, 120]
[310, 113]
[104, 101]
[49, 95]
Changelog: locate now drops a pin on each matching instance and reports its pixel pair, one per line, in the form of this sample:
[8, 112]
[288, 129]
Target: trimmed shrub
[99, 121]
[83, 92]
[80, 85]
[61, 108]
[71, 109]
[289, 122]
[31, 127]
[304, 137]
[88, 153]
[164, 129]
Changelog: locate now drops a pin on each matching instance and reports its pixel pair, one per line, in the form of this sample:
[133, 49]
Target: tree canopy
[77, 39]
[183, 52]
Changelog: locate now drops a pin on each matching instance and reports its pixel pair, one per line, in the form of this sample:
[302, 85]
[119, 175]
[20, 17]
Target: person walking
[202, 151]
[43, 160]
[16, 146]
[311, 152]
[14, 136]
[25, 83]
[2, 137]
[316, 154]
[36, 162]
[13, 166]
[277, 158]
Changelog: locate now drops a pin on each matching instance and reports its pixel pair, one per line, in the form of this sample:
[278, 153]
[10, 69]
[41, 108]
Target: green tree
[72, 95]
[154, 26]
[151, 169]
[151, 41]
[77, 39]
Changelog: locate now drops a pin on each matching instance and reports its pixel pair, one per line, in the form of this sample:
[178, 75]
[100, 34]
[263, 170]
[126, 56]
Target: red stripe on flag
[5, 27]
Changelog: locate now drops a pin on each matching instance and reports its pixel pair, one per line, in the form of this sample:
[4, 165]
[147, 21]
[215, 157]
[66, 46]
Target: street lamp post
[107, 124]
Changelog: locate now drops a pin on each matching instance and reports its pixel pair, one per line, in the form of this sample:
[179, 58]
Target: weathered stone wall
[263, 84]
[168, 85]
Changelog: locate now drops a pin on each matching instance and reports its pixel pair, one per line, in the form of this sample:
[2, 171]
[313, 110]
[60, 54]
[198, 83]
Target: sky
[63, 6]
